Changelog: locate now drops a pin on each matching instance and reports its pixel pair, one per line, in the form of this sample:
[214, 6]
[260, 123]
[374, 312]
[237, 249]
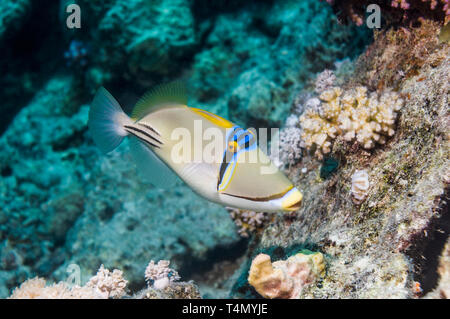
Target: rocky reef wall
[386, 241]
[62, 202]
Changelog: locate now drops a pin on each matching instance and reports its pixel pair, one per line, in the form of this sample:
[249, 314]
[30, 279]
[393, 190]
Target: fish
[162, 132]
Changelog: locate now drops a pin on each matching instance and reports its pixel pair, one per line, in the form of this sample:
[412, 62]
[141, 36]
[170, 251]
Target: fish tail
[106, 121]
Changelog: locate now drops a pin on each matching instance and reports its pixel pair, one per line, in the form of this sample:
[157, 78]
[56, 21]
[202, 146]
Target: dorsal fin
[173, 93]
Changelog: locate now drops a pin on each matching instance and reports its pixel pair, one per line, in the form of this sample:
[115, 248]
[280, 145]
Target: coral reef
[384, 247]
[103, 285]
[360, 185]
[12, 14]
[178, 290]
[77, 54]
[398, 55]
[272, 61]
[110, 285]
[324, 81]
[253, 62]
[62, 201]
[352, 114]
[290, 150]
[395, 11]
[71, 211]
[442, 291]
[285, 278]
[248, 222]
[160, 275]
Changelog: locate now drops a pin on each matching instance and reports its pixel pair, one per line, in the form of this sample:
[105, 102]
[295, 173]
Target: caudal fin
[106, 121]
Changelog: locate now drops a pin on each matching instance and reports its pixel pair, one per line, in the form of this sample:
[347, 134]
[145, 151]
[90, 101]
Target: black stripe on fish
[143, 133]
[141, 138]
[150, 128]
[249, 142]
[262, 199]
[223, 168]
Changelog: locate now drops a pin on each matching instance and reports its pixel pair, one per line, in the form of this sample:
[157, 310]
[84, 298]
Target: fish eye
[233, 146]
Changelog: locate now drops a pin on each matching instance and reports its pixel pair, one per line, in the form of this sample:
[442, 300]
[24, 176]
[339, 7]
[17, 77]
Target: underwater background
[374, 220]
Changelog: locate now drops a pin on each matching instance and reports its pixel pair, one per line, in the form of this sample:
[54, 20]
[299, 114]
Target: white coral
[352, 114]
[324, 81]
[107, 283]
[160, 276]
[360, 186]
[103, 285]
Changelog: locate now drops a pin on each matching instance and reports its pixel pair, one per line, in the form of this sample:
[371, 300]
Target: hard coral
[324, 81]
[108, 284]
[285, 278]
[104, 285]
[111, 284]
[290, 150]
[247, 221]
[352, 114]
[160, 276]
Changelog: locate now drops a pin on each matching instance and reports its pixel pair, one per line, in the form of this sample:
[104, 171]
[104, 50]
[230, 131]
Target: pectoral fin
[150, 166]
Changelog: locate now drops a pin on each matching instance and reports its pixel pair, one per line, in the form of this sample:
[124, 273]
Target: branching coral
[247, 221]
[107, 283]
[103, 285]
[352, 114]
[160, 276]
[324, 81]
[285, 278]
[290, 150]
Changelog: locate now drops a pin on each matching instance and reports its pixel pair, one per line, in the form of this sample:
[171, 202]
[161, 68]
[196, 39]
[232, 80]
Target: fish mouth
[294, 207]
[292, 200]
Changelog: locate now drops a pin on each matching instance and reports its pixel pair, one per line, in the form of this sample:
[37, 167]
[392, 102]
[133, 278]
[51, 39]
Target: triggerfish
[236, 174]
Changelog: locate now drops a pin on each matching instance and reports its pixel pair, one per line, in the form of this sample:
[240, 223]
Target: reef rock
[12, 16]
[387, 246]
[138, 39]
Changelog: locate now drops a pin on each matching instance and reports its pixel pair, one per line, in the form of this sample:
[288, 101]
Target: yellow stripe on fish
[219, 121]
